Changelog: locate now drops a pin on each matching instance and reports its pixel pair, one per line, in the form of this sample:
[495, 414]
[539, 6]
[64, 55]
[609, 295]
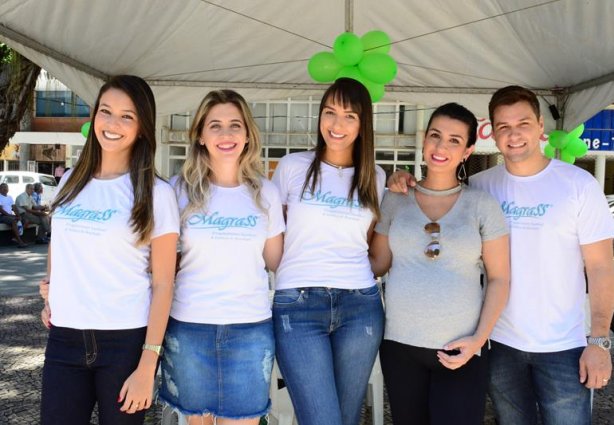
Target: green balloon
[348, 49]
[85, 129]
[557, 138]
[323, 67]
[577, 132]
[549, 151]
[378, 67]
[567, 157]
[577, 148]
[376, 91]
[376, 42]
[350, 72]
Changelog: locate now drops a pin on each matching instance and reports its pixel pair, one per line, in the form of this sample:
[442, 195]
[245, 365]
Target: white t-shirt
[6, 202]
[326, 237]
[222, 279]
[550, 215]
[99, 277]
[24, 201]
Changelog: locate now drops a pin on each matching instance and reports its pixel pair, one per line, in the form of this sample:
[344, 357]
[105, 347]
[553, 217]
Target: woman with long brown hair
[327, 307]
[111, 267]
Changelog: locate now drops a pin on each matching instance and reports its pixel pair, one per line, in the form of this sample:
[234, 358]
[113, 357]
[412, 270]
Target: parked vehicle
[17, 181]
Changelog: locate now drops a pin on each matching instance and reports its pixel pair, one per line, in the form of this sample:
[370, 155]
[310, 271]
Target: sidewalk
[23, 338]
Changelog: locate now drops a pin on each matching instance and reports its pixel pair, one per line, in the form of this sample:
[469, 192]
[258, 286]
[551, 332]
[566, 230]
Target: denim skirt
[221, 370]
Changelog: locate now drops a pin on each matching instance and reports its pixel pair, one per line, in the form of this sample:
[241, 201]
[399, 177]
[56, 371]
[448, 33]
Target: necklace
[338, 167]
[432, 192]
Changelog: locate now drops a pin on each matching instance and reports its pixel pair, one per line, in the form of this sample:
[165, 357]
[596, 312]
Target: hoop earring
[461, 174]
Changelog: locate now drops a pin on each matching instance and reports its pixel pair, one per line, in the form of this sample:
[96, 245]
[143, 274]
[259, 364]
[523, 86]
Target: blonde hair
[196, 171]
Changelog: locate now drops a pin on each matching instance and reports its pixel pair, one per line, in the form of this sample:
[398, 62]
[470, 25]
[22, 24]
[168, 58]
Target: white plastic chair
[375, 393]
[282, 412]
[172, 418]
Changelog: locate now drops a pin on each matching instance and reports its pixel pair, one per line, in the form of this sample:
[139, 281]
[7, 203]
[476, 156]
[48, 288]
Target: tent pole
[600, 170]
[349, 15]
[560, 105]
[419, 142]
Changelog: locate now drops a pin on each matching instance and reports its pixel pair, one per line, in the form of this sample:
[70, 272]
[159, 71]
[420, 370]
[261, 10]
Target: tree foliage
[17, 82]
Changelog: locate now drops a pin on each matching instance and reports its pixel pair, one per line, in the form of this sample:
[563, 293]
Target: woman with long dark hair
[111, 267]
[327, 307]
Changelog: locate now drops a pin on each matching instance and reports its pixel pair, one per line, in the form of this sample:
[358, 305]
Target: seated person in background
[37, 196]
[31, 214]
[7, 216]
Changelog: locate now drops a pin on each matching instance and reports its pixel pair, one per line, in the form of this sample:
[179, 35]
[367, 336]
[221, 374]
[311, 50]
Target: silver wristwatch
[603, 342]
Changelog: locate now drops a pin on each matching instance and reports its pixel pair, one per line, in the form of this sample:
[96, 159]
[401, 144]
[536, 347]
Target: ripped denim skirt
[219, 370]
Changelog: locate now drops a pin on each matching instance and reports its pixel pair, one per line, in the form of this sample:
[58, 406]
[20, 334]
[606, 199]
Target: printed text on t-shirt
[217, 221]
[511, 210]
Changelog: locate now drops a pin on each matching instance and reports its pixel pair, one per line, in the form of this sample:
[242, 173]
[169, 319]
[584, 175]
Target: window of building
[60, 104]
[292, 126]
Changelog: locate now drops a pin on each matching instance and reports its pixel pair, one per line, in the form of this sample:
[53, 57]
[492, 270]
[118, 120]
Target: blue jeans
[85, 367]
[326, 344]
[224, 370]
[522, 381]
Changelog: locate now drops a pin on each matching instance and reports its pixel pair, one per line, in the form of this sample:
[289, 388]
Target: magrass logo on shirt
[217, 221]
[511, 210]
[75, 213]
[329, 200]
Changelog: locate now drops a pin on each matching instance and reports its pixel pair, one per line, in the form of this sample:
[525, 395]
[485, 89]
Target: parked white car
[17, 181]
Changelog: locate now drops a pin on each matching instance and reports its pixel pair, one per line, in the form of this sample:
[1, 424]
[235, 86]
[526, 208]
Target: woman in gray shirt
[435, 241]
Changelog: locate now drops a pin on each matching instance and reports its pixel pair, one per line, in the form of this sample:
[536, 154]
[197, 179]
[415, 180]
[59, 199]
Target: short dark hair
[510, 95]
[459, 113]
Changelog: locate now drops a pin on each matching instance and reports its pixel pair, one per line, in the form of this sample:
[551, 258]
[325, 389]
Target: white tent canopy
[447, 50]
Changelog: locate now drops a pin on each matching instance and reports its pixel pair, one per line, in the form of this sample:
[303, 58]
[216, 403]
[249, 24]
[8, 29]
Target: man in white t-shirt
[30, 213]
[560, 226]
[7, 214]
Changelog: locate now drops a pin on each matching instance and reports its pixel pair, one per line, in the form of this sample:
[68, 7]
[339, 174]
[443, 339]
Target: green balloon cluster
[364, 59]
[85, 128]
[568, 144]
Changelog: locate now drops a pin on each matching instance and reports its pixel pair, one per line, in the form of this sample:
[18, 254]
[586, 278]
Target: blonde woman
[220, 345]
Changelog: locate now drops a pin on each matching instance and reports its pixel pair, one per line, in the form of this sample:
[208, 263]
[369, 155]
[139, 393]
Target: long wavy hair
[353, 95]
[195, 174]
[141, 163]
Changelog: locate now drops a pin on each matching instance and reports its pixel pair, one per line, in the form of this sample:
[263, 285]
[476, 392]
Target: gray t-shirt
[432, 302]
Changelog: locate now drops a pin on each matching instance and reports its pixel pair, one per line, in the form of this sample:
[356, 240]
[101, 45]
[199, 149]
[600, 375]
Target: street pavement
[23, 338]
